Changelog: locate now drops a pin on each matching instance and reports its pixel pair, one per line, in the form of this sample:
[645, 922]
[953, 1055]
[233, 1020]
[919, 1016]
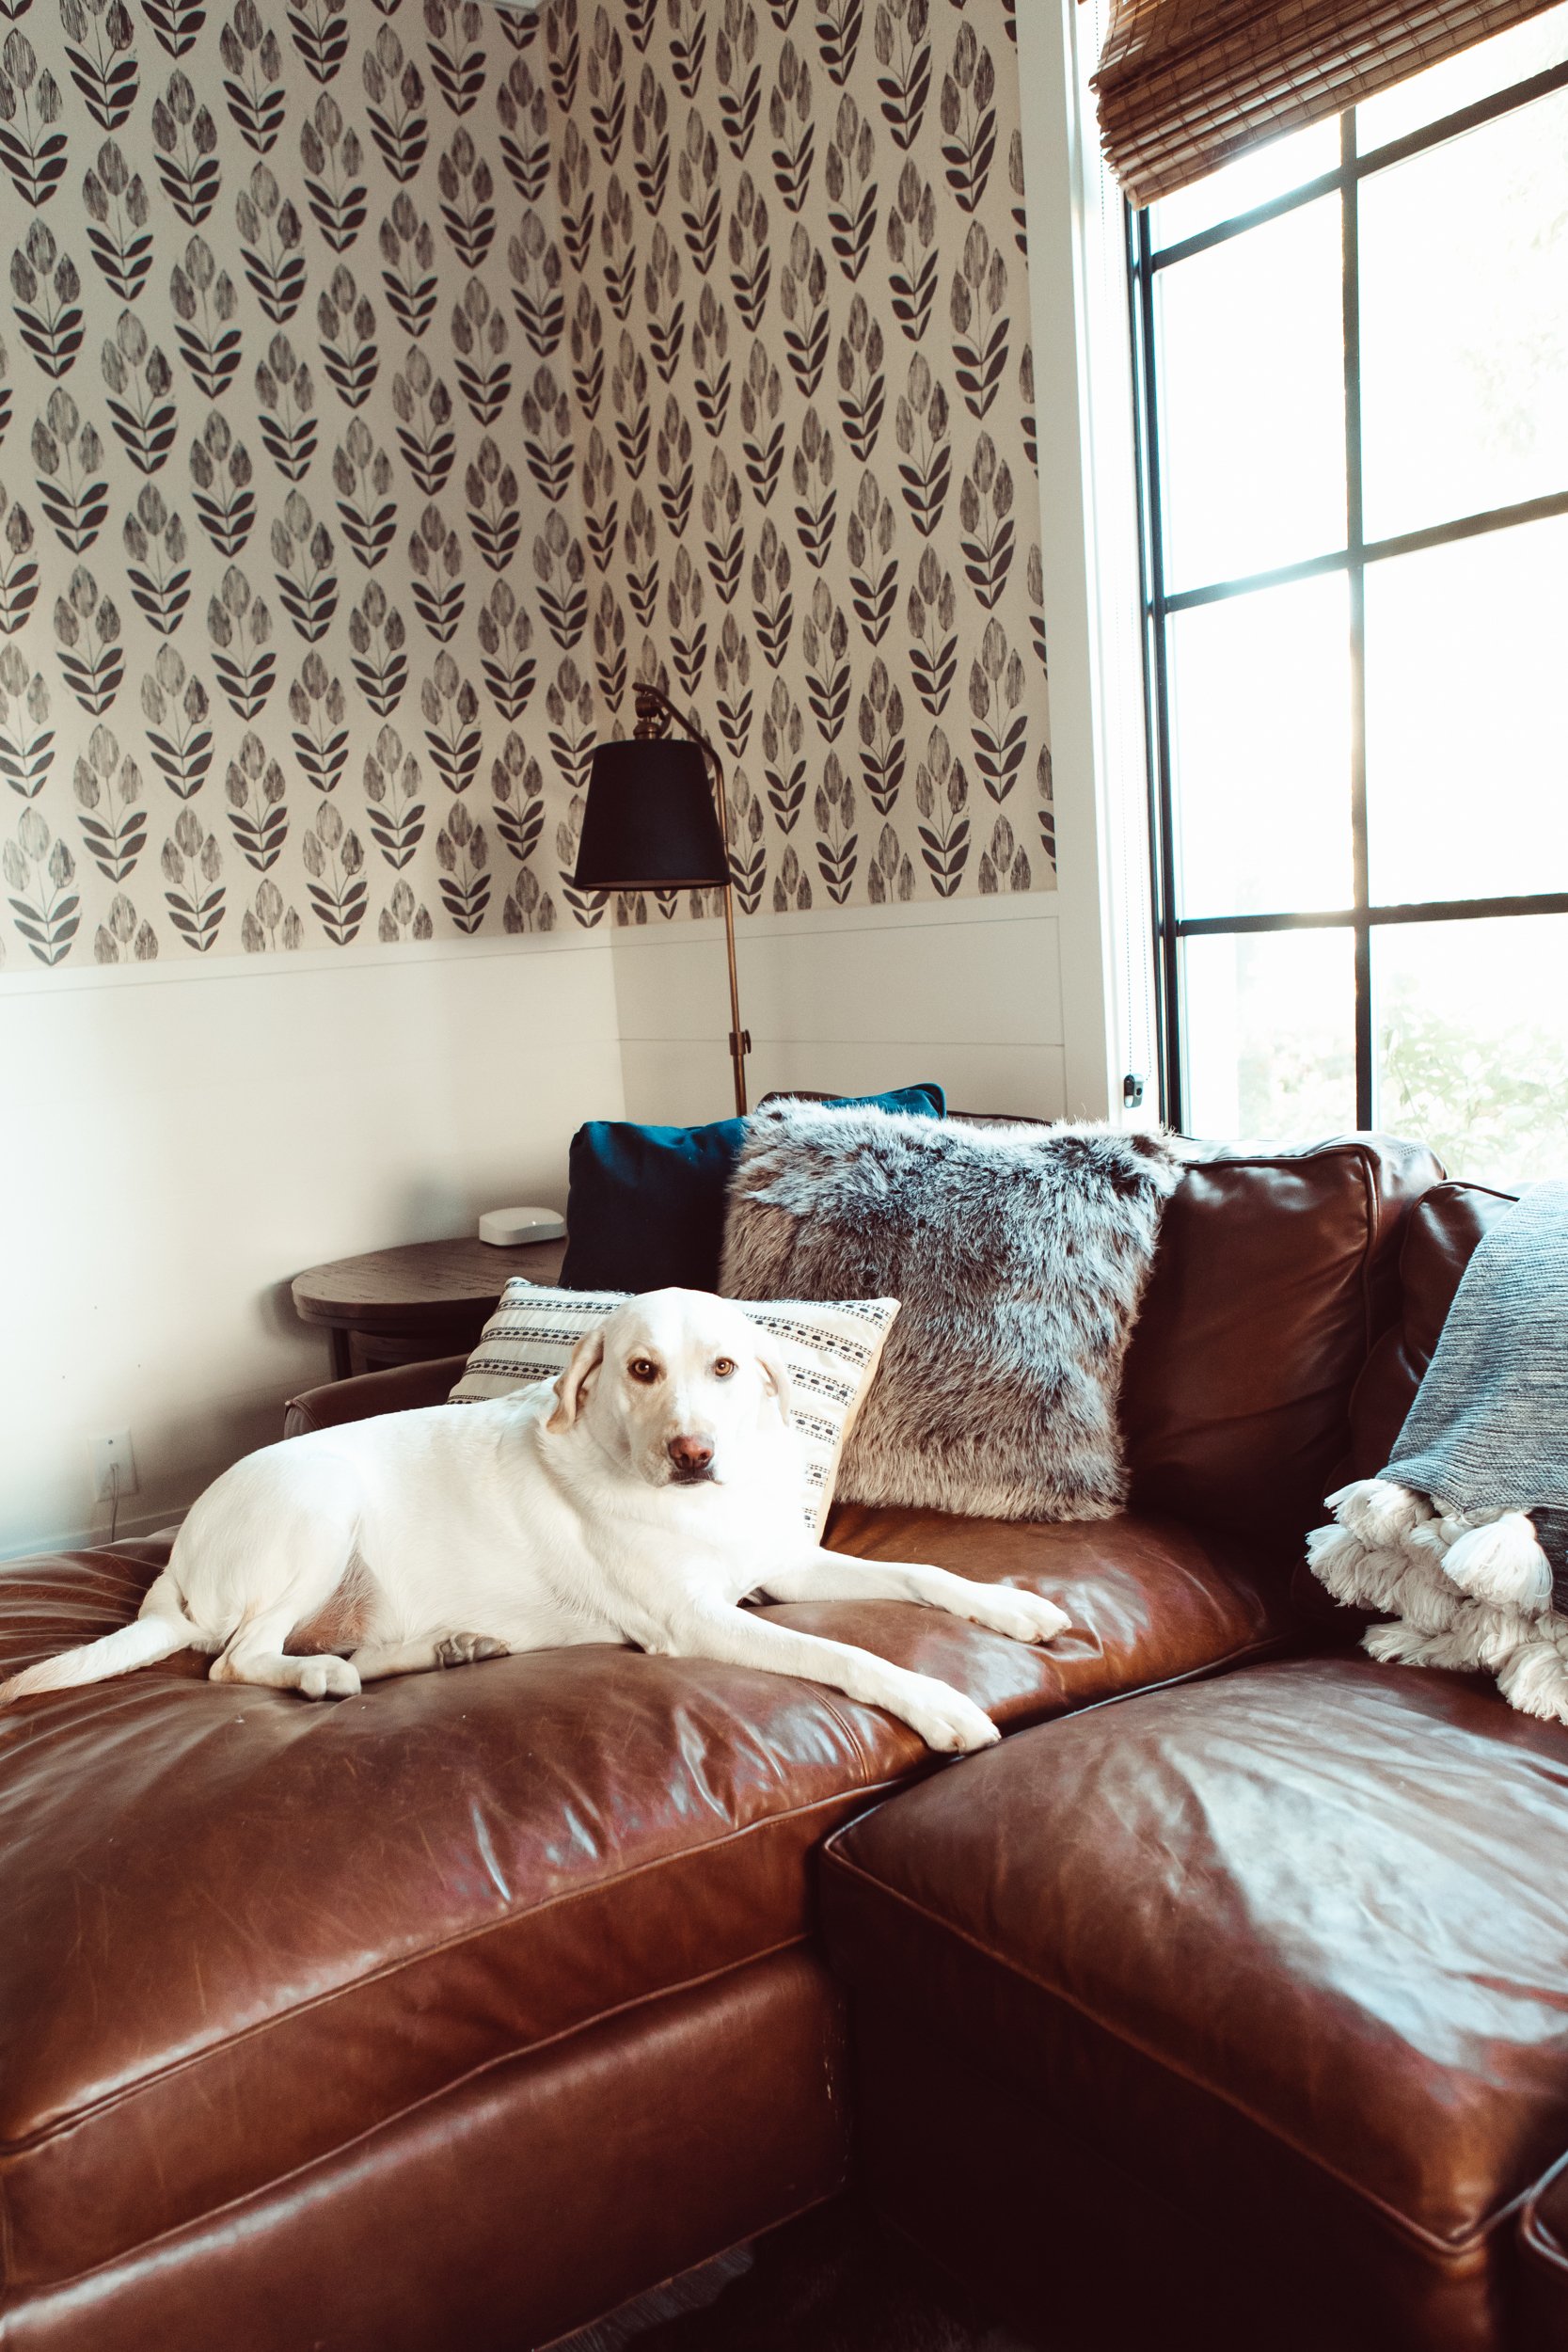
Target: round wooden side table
[410, 1305]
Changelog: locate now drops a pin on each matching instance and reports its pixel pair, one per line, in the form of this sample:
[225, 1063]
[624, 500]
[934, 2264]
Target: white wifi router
[506, 1228]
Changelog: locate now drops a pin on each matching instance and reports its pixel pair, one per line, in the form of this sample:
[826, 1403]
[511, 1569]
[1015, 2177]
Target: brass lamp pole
[655, 711]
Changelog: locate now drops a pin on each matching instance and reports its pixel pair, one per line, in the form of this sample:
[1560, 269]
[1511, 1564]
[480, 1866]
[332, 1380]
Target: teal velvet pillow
[645, 1205]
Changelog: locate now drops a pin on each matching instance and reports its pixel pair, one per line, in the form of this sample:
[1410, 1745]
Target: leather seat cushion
[1150, 1601]
[242, 1929]
[1289, 1945]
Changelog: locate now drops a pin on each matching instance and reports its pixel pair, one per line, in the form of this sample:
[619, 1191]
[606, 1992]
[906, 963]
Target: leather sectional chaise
[463, 2010]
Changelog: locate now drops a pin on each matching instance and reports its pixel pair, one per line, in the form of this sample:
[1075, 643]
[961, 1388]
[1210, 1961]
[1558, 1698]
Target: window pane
[1252, 399]
[1260, 745]
[1464, 324]
[1466, 744]
[1472, 1044]
[1255, 178]
[1443, 89]
[1270, 1028]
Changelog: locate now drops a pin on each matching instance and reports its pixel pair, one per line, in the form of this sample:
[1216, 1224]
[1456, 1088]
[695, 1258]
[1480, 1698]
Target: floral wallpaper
[381, 394]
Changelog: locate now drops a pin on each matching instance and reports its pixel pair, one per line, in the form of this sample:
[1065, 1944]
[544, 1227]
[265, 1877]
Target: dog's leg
[266, 1551]
[835, 1576]
[380, 1659]
[942, 1716]
[256, 1654]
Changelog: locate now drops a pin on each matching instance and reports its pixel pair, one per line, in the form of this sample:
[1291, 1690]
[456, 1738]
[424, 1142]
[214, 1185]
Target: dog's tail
[152, 1636]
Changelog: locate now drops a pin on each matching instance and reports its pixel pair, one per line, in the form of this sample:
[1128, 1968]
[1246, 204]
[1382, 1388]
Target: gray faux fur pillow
[1020, 1255]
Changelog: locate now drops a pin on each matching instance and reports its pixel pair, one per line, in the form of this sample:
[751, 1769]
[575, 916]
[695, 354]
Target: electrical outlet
[110, 1454]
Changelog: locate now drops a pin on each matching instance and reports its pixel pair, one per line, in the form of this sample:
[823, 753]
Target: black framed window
[1351, 351]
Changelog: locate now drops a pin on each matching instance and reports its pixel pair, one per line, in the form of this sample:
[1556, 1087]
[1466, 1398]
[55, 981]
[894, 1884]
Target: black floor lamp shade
[651, 823]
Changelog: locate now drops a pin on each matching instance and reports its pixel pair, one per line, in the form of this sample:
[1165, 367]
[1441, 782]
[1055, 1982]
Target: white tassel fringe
[1535, 1680]
[1423, 1595]
[1338, 1561]
[1465, 1589]
[1503, 1564]
[1396, 1644]
[1378, 1511]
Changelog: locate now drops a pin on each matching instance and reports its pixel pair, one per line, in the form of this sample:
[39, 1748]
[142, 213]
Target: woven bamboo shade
[1184, 85]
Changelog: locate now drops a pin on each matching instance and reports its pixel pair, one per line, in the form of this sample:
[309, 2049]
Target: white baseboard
[129, 1530]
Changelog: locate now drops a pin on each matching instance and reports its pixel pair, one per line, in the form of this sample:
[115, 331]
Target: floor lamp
[654, 822]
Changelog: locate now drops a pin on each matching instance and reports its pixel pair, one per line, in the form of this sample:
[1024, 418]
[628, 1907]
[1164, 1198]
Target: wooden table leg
[342, 1361]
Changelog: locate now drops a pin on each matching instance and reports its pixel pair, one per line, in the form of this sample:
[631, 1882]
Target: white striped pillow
[831, 1351]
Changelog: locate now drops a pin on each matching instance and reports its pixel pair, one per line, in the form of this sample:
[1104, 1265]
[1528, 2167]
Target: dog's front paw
[1022, 1615]
[466, 1649]
[328, 1678]
[944, 1719]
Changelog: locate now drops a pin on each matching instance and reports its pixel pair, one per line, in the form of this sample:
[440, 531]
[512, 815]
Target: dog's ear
[585, 1360]
[774, 1377]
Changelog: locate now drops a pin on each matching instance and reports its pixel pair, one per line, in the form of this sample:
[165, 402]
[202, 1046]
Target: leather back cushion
[1274, 1277]
[1441, 1238]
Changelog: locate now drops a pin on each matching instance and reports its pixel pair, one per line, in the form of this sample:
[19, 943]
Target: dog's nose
[690, 1455]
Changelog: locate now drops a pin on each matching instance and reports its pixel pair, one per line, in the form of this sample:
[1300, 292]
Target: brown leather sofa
[1261, 1979]
[459, 2011]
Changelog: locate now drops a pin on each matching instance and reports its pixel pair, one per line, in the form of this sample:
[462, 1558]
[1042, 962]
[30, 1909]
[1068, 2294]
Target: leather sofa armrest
[400, 1390]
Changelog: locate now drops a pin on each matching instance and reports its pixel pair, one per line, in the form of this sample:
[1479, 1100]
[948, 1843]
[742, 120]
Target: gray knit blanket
[1463, 1536]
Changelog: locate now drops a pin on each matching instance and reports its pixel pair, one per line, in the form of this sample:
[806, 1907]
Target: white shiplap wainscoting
[182, 1139]
[849, 1000]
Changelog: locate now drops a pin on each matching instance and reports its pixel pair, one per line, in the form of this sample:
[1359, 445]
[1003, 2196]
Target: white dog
[639, 1498]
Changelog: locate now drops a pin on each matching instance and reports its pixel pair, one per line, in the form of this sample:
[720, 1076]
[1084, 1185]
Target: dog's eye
[723, 1367]
[641, 1368]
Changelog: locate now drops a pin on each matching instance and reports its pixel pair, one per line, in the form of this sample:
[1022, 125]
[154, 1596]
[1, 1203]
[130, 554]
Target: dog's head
[677, 1387]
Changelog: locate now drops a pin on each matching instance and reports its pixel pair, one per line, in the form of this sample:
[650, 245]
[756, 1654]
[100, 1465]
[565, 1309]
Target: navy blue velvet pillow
[645, 1205]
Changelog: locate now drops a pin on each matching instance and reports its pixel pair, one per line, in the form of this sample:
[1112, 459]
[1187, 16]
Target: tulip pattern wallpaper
[384, 389]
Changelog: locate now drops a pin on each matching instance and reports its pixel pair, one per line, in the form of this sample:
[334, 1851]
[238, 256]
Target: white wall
[849, 1001]
[182, 1141]
[1090, 550]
